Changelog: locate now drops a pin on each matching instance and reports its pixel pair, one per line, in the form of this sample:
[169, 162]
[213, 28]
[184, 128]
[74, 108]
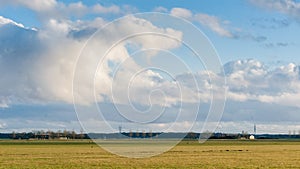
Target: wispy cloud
[270, 23]
[2, 125]
[36, 5]
[213, 23]
[102, 9]
[53, 9]
[160, 9]
[221, 27]
[288, 7]
[278, 44]
[4, 21]
[181, 12]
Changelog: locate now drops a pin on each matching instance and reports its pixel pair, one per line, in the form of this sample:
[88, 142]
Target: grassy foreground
[187, 154]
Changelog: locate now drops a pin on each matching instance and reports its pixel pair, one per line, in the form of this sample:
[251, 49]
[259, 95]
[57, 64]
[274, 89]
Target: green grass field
[187, 154]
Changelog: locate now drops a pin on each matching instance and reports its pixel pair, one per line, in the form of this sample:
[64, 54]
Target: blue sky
[257, 42]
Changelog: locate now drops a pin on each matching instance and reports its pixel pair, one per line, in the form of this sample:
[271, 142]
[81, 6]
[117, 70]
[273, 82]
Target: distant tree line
[41, 135]
[65, 135]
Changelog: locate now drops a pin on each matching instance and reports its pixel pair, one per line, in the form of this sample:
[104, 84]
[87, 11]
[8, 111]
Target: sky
[97, 65]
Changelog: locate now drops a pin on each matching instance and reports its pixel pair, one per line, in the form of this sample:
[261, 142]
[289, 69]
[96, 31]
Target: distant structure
[120, 129]
[252, 137]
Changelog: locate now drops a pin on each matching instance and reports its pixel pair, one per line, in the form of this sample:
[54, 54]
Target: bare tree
[13, 135]
[65, 133]
[58, 134]
[81, 134]
[150, 134]
[73, 134]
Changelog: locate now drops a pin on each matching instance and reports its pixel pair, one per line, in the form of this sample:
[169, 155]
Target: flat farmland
[187, 154]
